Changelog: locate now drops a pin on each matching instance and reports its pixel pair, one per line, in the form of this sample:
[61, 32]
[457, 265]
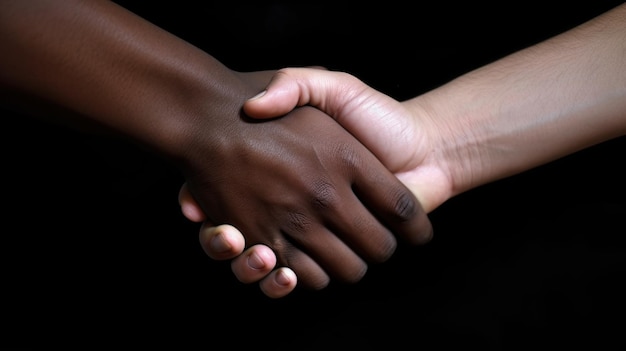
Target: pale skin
[527, 109]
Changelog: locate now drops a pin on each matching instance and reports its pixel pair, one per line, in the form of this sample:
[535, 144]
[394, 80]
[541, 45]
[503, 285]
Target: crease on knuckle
[324, 195]
[298, 222]
[348, 155]
[405, 207]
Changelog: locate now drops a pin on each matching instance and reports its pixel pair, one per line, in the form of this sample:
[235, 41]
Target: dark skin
[303, 186]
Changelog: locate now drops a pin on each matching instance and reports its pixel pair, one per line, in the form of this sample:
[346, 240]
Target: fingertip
[192, 212]
[258, 96]
[423, 231]
[427, 236]
[260, 258]
[260, 107]
[252, 107]
[222, 242]
[255, 264]
[279, 283]
[281, 95]
[188, 205]
[285, 277]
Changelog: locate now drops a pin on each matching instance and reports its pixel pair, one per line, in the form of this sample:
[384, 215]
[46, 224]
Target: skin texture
[302, 186]
[524, 110]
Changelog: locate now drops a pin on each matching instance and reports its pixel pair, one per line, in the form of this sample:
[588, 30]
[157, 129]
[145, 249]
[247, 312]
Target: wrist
[171, 104]
[456, 128]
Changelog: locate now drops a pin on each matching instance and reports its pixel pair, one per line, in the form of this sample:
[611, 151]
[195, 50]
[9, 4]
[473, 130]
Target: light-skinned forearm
[534, 106]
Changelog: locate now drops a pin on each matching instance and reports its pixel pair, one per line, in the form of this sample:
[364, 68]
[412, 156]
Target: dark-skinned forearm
[108, 65]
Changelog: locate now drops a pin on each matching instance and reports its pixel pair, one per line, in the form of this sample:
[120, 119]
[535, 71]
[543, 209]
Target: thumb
[288, 89]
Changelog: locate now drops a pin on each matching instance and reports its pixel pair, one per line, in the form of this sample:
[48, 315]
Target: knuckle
[298, 222]
[348, 155]
[324, 195]
[405, 206]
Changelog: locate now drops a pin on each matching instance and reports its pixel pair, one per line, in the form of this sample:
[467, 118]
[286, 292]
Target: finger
[254, 264]
[257, 265]
[188, 205]
[393, 203]
[306, 267]
[362, 231]
[222, 242]
[279, 283]
[324, 249]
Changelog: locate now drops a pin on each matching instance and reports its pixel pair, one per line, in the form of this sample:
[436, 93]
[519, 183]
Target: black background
[96, 252]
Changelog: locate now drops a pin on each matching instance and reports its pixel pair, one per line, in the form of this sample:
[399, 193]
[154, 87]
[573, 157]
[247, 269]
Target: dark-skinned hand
[303, 186]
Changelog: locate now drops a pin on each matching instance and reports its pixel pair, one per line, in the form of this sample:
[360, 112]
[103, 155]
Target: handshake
[320, 175]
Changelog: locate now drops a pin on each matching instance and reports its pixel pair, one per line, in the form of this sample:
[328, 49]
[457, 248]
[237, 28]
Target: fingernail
[255, 261]
[258, 96]
[282, 278]
[219, 244]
